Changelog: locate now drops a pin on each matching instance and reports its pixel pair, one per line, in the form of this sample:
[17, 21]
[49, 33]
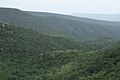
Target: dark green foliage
[29, 55]
[16, 39]
[62, 65]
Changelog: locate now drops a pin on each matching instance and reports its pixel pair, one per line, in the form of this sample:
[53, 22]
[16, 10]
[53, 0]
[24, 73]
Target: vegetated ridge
[65, 25]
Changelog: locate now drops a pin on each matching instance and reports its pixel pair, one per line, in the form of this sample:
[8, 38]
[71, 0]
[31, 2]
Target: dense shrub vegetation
[28, 55]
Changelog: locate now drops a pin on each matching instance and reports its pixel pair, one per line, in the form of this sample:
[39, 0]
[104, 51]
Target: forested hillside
[15, 39]
[47, 46]
[56, 24]
[29, 55]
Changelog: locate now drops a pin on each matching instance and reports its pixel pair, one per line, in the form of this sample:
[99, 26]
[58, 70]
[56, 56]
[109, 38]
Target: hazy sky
[65, 6]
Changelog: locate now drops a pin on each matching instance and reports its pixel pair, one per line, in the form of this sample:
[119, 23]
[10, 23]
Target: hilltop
[106, 17]
[65, 25]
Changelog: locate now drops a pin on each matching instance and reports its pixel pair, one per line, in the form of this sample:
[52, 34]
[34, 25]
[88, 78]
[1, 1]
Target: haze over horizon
[65, 6]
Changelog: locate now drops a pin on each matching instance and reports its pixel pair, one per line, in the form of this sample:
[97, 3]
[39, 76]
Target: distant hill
[106, 17]
[56, 24]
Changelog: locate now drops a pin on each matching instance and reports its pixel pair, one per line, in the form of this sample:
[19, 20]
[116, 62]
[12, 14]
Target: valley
[47, 46]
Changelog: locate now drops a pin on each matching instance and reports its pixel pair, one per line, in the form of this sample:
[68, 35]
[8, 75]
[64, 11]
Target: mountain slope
[29, 55]
[22, 39]
[56, 24]
[82, 28]
[106, 17]
[15, 39]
